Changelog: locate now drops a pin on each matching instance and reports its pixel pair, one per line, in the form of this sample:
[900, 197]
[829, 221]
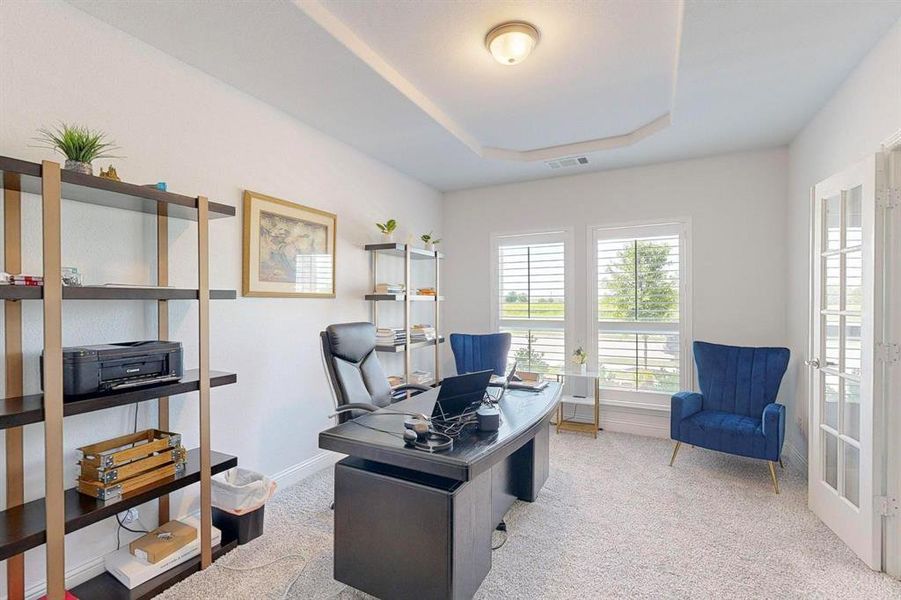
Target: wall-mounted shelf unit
[408, 254]
[25, 525]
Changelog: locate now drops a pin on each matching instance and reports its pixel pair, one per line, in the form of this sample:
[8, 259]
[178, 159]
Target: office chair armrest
[355, 406]
[411, 386]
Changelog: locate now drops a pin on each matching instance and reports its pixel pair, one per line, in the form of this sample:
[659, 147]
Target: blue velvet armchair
[480, 352]
[735, 411]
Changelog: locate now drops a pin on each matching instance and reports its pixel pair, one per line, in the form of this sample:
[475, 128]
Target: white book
[132, 571]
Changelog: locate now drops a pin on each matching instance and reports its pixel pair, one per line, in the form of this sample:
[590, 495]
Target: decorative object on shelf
[387, 228]
[427, 291]
[289, 249]
[20, 279]
[71, 277]
[388, 288]
[120, 465]
[429, 241]
[110, 173]
[580, 359]
[78, 144]
[159, 185]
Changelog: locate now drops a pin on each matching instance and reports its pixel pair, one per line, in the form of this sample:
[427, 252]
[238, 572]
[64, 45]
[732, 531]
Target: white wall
[736, 204]
[862, 114]
[202, 137]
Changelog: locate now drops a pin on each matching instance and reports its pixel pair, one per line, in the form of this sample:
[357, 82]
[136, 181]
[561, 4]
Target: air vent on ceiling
[571, 161]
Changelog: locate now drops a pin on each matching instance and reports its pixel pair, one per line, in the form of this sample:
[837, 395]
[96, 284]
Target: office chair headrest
[351, 341]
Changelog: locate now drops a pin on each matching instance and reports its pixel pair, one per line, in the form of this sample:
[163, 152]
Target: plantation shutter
[638, 310]
[531, 300]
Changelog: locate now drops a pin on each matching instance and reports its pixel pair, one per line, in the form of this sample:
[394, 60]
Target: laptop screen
[459, 393]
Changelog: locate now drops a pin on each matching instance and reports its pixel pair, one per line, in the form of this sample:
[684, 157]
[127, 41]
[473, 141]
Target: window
[640, 300]
[531, 299]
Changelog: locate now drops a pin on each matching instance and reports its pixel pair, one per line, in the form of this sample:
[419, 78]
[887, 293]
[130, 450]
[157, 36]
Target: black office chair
[356, 377]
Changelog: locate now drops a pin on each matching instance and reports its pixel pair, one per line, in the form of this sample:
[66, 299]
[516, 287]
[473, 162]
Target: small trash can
[239, 503]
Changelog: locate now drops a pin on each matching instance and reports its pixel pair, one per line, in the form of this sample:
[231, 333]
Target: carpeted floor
[613, 521]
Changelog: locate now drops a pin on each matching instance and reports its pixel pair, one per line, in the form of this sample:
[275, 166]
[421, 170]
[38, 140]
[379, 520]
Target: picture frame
[289, 249]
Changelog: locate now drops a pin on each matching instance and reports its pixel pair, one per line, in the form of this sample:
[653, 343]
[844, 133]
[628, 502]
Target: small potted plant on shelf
[79, 145]
[429, 241]
[580, 358]
[387, 228]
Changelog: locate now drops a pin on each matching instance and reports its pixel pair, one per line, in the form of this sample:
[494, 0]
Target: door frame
[891, 367]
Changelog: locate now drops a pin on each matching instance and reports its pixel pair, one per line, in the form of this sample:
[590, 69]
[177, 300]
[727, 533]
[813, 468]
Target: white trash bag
[239, 491]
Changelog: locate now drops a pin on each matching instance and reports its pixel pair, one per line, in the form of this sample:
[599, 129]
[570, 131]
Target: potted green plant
[79, 145]
[387, 228]
[429, 241]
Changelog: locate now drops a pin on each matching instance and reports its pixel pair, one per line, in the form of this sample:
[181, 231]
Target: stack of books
[29, 280]
[422, 333]
[421, 377]
[390, 336]
[389, 288]
[427, 291]
[395, 380]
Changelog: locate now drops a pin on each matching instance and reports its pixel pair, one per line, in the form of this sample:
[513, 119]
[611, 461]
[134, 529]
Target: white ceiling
[748, 74]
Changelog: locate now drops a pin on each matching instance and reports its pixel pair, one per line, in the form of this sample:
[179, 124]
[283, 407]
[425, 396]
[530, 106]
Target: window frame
[637, 229]
[536, 236]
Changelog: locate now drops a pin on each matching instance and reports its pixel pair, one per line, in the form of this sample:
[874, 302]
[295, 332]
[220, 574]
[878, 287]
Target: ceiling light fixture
[511, 43]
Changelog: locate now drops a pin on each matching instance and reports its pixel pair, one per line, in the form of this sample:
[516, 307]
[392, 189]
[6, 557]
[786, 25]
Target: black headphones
[420, 435]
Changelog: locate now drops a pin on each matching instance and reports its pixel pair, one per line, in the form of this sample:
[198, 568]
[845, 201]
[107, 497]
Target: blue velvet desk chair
[735, 411]
[480, 352]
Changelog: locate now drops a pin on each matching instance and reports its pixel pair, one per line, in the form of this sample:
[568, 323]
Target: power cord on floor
[502, 527]
[270, 563]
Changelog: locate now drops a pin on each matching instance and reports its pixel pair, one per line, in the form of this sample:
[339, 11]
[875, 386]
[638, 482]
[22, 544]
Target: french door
[846, 302]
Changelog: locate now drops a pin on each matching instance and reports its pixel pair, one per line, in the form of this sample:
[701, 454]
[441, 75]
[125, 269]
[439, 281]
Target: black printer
[107, 367]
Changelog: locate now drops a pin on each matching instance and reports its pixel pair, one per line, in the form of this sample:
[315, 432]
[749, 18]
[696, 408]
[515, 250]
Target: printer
[109, 367]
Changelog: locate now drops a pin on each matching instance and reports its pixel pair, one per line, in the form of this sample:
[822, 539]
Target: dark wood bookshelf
[107, 587]
[24, 410]
[107, 192]
[399, 249]
[23, 527]
[102, 292]
[402, 347]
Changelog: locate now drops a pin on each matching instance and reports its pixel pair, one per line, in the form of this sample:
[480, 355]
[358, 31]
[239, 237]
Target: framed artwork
[289, 249]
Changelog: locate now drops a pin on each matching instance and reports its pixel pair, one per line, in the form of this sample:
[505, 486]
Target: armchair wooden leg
[773, 475]
[675, 452]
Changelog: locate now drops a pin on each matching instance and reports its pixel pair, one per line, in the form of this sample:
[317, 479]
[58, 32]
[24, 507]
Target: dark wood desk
[410, 524]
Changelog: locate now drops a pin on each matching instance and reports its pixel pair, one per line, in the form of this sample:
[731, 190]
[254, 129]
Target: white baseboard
[302, 470]
[794, 456]
[636, 420]
[283, 478]
[75, 576]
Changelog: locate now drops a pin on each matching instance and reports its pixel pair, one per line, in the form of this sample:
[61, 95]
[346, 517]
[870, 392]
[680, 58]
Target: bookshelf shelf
[397, 348]
[408, 254]
[23, 527]
[103, 292]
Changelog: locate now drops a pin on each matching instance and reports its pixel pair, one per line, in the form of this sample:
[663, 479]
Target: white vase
[388, 238]
[583, 368]
[429, 246]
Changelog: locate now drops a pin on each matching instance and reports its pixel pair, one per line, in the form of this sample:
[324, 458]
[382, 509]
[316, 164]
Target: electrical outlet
[130, 516]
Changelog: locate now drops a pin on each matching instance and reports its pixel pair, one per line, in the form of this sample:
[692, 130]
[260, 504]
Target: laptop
[459, 393]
